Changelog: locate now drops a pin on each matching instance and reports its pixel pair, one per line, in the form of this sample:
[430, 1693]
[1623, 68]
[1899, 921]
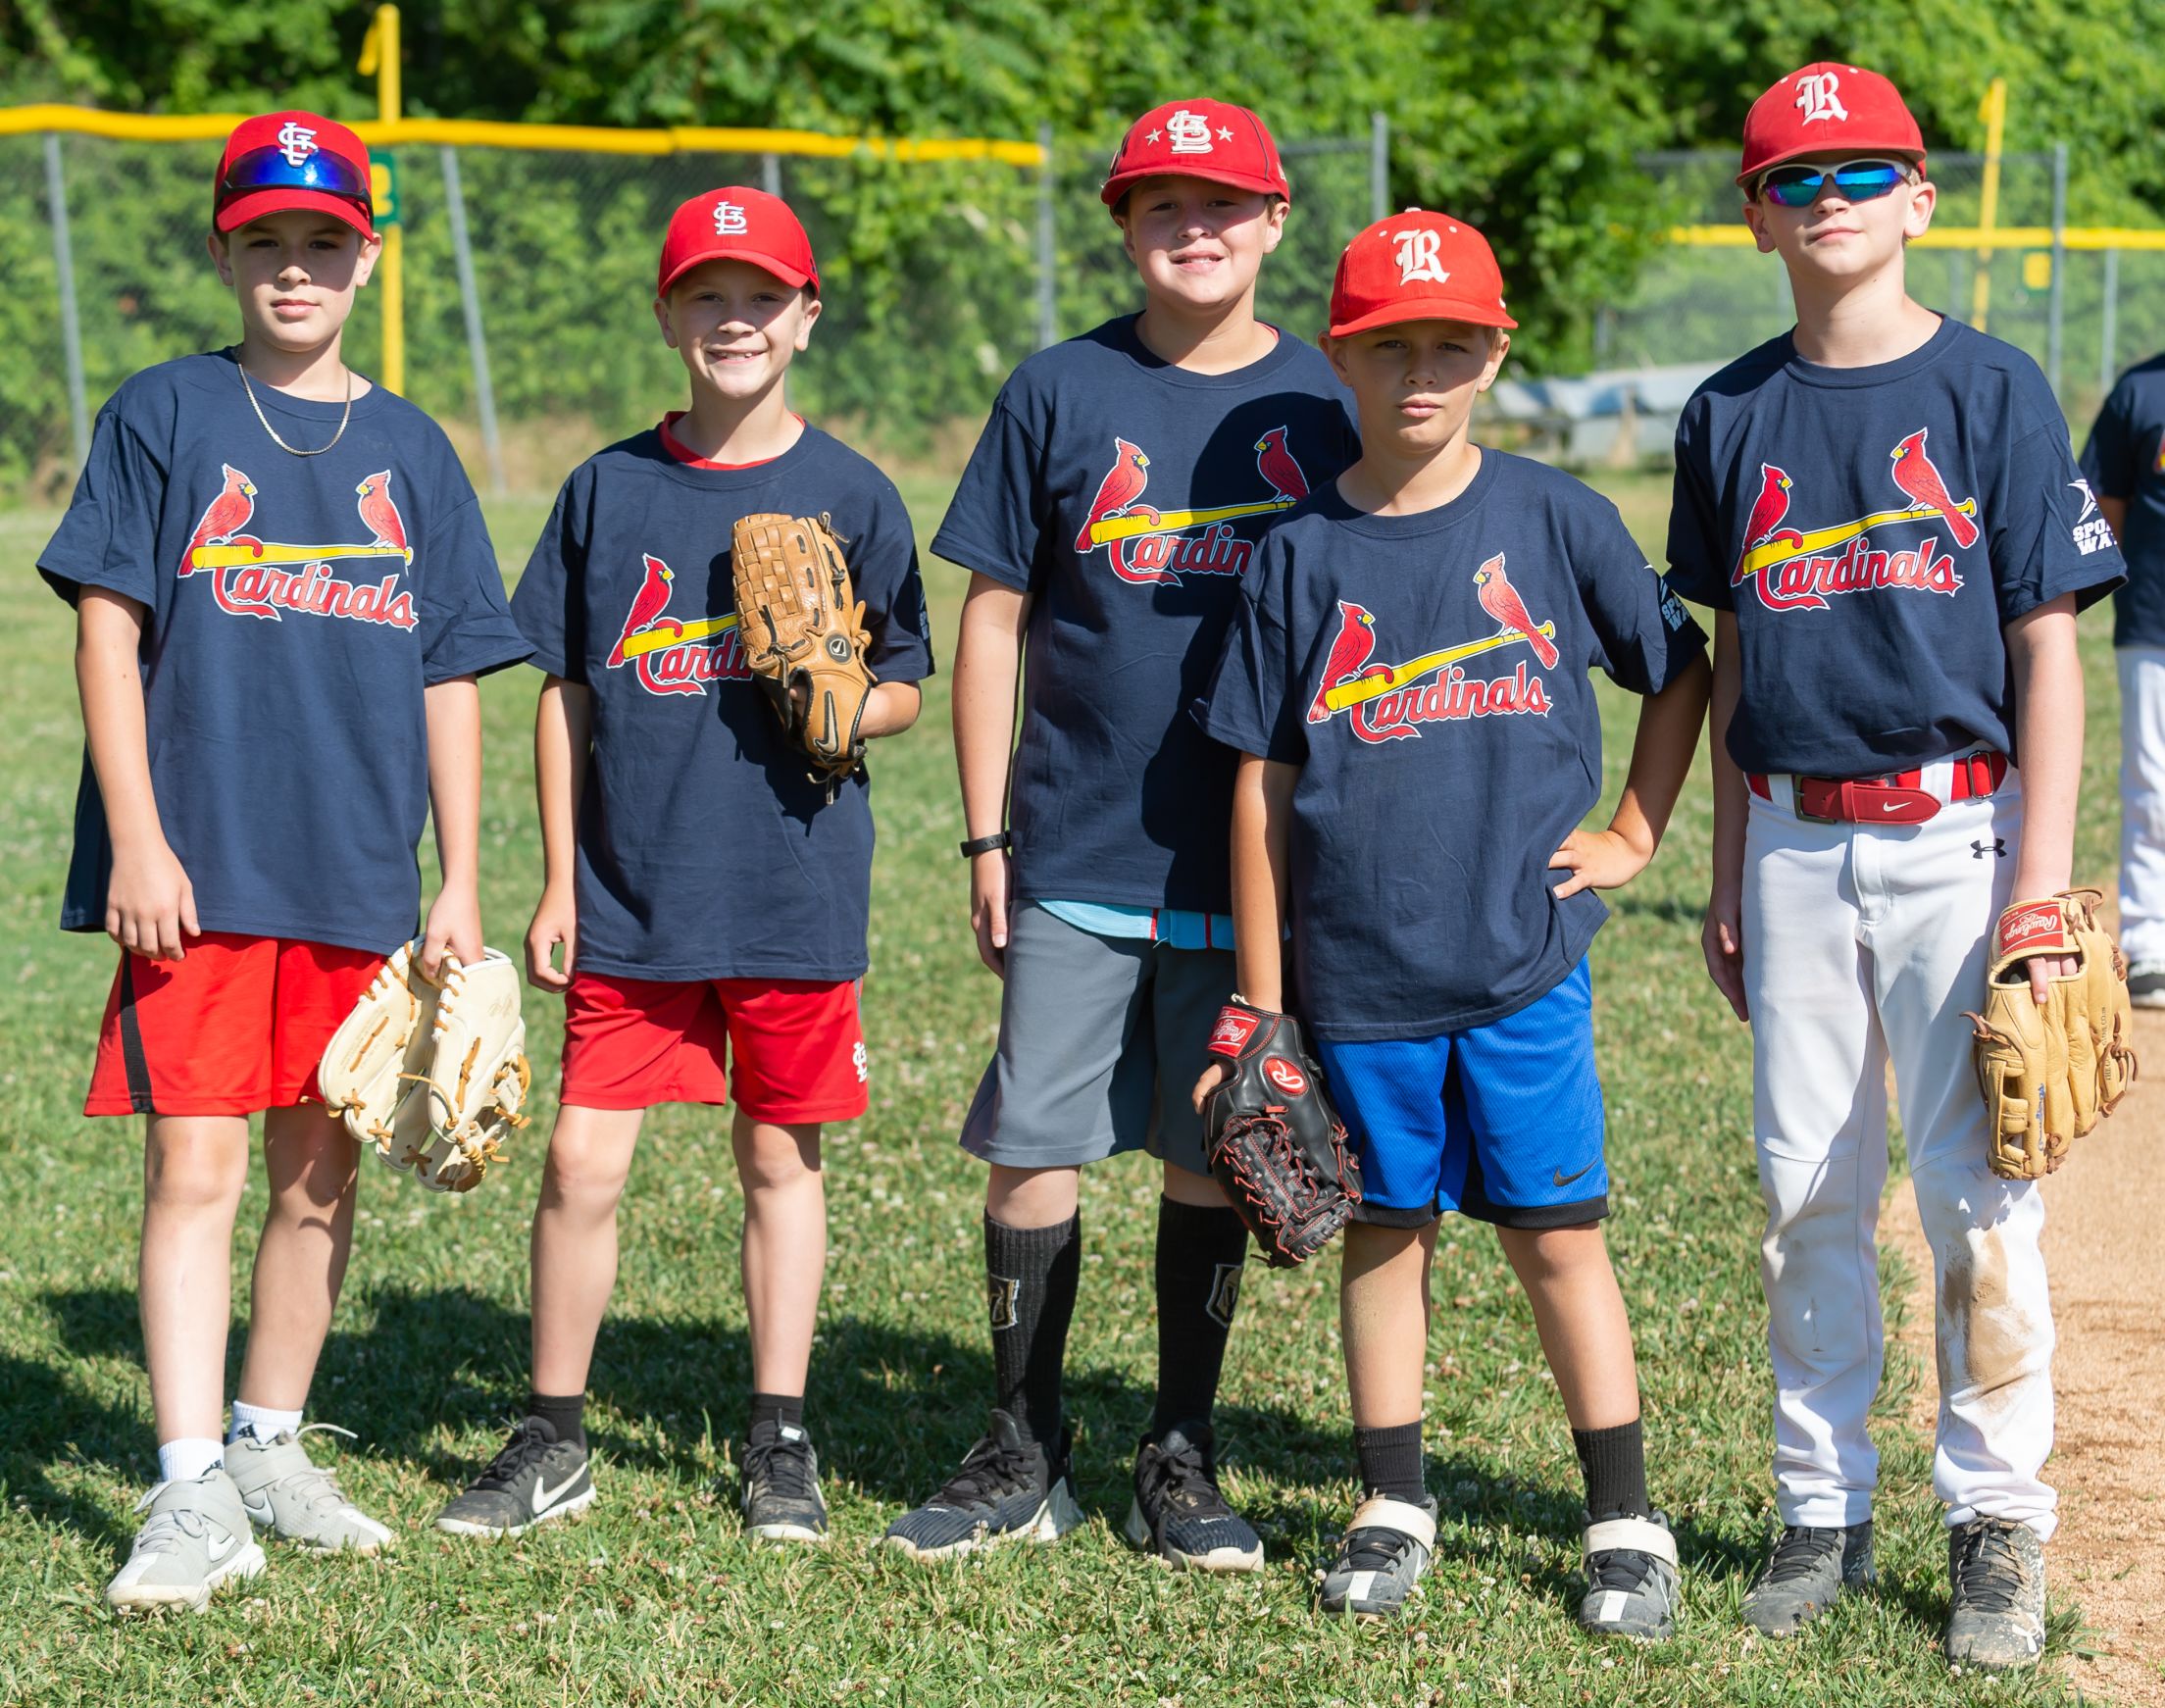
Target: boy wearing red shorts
[670, 803]
[284, 592]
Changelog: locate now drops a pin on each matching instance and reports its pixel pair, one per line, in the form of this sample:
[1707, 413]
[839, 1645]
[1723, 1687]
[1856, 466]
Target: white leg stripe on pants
[1863, 943]
[2142, 802]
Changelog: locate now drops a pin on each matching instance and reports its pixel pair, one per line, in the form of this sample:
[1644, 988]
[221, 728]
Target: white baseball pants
[2142, 802]
[1863, 944]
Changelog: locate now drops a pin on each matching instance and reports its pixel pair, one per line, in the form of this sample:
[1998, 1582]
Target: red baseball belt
[1899, 798]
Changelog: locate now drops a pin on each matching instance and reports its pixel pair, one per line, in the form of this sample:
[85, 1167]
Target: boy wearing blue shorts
[1406, 680]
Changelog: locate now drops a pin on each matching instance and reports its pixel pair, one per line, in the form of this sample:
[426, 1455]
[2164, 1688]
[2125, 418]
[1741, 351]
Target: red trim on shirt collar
[684, 454]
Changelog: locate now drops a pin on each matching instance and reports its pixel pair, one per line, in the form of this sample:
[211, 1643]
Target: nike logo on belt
[544, 1496]
[1893, 806]
[1564, 1179]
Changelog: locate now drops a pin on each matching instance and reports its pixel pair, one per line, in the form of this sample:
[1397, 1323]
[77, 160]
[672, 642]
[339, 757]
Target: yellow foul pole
[380, 55]
[1994, 111]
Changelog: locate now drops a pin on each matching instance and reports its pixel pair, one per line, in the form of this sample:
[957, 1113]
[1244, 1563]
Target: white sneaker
[195, 1537]
[287, 1493]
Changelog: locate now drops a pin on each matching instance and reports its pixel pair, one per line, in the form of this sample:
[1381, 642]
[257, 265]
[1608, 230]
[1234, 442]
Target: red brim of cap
[1427, 308]
[1849, 151]
[233, 215]
[1116, 187]
[794, 278]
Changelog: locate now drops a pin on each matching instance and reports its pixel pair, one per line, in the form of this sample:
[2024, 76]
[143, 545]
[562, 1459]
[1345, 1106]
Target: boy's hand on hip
[1598, 859]
[150, 904]
[454, 924]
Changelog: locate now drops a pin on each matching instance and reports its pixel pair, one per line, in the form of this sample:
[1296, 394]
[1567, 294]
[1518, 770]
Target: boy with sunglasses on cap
[1110, 506]
[284, 593]
[1412, 651]
[710, 898]
[1881, 508]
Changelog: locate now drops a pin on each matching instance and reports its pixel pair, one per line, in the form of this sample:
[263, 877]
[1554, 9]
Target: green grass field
[653, 1597]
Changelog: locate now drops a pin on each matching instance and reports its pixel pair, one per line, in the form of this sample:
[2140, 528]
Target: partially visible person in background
[2125, 466]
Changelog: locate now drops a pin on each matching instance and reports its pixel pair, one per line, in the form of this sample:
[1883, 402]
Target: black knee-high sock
[1200, 1252]
[1030, 1276]
[1614, 1461]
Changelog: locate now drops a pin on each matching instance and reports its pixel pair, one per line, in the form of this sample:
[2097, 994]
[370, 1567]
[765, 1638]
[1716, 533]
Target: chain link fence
[2083, 314]
[939, 277]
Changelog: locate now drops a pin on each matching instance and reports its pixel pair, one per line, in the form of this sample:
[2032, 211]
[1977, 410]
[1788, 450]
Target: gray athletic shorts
[1101, 1041]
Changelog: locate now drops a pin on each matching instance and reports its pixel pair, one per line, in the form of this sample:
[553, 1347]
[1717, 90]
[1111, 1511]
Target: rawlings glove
[803, 634]
[379, 1052]
[2048, 1072]
[1277, 1147]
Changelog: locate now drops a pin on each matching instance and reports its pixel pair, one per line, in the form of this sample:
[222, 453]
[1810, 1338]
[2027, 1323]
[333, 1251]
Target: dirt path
[2105, 1242]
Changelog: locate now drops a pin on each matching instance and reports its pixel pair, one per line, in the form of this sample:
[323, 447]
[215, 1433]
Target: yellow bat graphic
[1782, 549]
[667, 635]
[1347, 695]
[1173, 521]
[226, 557]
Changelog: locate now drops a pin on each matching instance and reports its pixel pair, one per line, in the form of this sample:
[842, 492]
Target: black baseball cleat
[1007, 1491]
[1179, 1513]
[535, 1477]
[781, 1493]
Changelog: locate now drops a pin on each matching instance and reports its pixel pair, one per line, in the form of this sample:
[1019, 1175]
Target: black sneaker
[532, 1479]
[1996, 1572]
[1809, 1568]
[781, 1486]
[1179, 1514]
[1008, 1490]
[2147, 984]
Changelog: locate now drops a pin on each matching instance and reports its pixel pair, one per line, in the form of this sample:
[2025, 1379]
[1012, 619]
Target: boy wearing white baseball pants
[1882, 508]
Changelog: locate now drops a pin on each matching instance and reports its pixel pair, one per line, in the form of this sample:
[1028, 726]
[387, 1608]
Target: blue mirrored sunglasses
[1857, 180]
[271, 169]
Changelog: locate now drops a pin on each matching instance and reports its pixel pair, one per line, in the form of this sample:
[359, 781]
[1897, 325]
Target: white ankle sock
[187, 1458]
[263, 1422]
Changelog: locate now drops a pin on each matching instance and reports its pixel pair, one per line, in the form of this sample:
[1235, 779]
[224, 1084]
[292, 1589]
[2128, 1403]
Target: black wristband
[985, 844]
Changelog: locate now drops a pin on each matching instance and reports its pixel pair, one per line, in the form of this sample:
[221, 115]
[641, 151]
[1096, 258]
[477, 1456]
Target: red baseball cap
[736, 224]
[1206, 139]
[1417, 265]
[281, 161]
[1825, 107]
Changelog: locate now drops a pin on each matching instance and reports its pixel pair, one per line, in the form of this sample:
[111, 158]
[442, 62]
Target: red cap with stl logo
[279, 162]
[1206, 139]
[1823, 108]
[735, 224]
[1417, 265]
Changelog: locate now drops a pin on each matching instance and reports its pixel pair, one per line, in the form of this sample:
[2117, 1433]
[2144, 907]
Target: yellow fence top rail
[483, 134]
[1956, 237]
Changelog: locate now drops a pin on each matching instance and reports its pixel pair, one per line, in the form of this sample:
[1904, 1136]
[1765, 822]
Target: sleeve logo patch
[2093, 532]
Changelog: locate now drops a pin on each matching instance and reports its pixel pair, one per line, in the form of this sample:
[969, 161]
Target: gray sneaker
[2147, 984]
[290, 1496]
[1631, 1578]
[1384, 1552]
[1996, 1570]
[1809, 1568]
[195, 1537]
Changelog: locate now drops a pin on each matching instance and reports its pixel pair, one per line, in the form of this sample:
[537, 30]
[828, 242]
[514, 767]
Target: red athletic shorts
[234, 1025]
[794, 1047]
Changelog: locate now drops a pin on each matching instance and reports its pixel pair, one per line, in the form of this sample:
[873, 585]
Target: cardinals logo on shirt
[269, 580]
[1801, 571]
[1388, 702]
[669, 656]
[1148, 546]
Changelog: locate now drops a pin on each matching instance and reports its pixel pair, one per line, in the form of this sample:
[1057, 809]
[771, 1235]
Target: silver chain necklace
[248, 386]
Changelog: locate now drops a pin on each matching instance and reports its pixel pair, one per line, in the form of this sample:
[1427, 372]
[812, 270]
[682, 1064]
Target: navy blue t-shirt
[705, 848]
[1873, 528]
[1125, 495]
[1428, 674]
[296, 607]
[2126, 459]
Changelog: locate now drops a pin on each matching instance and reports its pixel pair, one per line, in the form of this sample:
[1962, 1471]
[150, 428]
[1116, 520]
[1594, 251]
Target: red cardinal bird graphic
[651, 602]
[1920, 480]
[380, 517]
[1348, 653]
[223, 518]
[1275, 462]
[1767, 509]
[1118, 491]
[1502, 602]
